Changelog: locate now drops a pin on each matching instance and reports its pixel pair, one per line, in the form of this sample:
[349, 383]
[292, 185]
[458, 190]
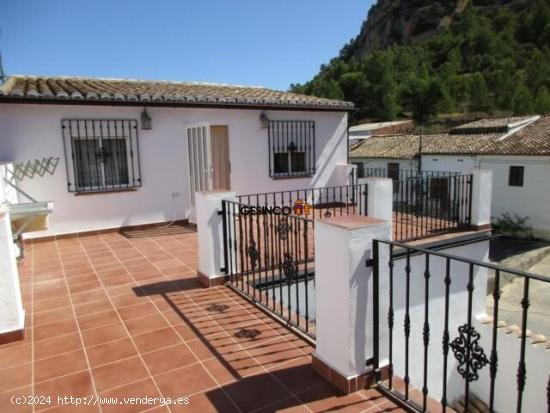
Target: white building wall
[379, 163]
[458, 305]
[34, 131]
[530, 200]
[445, 163]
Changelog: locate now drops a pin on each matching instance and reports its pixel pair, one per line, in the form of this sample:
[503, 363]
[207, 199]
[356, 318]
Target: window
[101, 155]
[360, 169]
[393, 171]
[515, 178]
[291, 148]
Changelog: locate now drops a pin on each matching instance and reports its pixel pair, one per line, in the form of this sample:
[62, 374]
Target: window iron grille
[291, 148]
[101, 154]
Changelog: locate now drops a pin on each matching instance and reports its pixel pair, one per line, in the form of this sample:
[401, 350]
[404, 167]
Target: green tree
[542, 102]
[423, 97]
[479, 93]
[522, 103]
[381, 90]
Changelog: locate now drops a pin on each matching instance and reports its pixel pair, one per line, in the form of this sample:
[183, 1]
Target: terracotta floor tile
[57, 345]
[288, 405]
[11, 407]
[256, 392]
[118, 373]
[93, 307]
[54, 329]
[169, 358]
[59, 365]
[95, 320]
[143, 309]
[327, 398]
[88, 296]
[140, 389]
[211, 401]
[298, 375]
[103, 334]
[157, 339]
[184, 381]
[142, 325]
[11, 356]
[78, 385]
[51, 316]
[17, 376]
[110, 351]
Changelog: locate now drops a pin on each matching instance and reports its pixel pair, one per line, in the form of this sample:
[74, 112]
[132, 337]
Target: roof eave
[113, 102]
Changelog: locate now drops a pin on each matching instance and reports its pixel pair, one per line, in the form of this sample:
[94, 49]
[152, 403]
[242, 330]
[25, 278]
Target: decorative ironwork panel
[289, 268]
[283, 228]
[469, 353]
[253, 254]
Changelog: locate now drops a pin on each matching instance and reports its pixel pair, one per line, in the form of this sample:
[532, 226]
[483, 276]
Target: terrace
[115, 315]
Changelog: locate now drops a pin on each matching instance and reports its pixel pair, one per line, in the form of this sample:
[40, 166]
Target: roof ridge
[121, 79]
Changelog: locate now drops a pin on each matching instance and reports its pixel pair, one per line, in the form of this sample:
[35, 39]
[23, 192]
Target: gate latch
[370, 262]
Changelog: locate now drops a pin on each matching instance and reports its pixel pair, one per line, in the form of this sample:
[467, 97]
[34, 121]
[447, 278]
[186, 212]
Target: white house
[516, 149]
[134, 152]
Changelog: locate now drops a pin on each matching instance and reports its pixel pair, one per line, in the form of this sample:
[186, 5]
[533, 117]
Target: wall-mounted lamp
[264, 120]
[146, 122]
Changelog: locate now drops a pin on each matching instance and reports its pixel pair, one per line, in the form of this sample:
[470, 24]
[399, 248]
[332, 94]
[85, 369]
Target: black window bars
[291, 148]
[101, 154]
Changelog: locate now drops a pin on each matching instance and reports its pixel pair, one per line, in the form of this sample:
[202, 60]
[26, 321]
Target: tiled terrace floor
[114, 316]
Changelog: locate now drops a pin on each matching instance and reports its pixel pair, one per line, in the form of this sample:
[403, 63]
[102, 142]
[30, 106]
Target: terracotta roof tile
[530, 140]
[162, 92]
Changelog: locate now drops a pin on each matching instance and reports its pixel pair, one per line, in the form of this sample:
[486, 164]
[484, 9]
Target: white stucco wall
[379, 163]
[460, 164]
[34, 131]
[531, 200]
[458, 306]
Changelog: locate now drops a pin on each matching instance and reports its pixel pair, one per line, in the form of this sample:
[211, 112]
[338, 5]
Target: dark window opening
[101, 155]
[291, 148]
[360, 169]
[393, 171]
[516, 176]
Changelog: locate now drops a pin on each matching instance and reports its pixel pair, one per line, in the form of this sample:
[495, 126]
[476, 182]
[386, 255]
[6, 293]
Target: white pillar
[12, 314]
[343, 297]
[379, 197]
[210, 235]
[482, 187]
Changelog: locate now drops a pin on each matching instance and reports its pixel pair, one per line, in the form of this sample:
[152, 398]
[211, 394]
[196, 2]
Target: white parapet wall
[210, 235]
[12, 315]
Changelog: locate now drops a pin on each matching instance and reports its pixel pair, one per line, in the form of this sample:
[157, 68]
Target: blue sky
[253, 42]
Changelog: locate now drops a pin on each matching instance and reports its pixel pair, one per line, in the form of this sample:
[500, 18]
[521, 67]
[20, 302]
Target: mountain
[426, 57]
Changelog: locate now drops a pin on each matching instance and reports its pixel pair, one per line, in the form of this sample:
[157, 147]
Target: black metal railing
[101, 154]
[268, 257]
[405, 173]
[431, 205]
[436, 292]
[314, 202]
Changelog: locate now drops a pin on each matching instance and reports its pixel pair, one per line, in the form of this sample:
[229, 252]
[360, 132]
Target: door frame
[199, 158]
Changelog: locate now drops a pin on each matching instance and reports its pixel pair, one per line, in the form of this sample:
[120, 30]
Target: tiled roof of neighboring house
[531, 138]
[151, 92]
[492, 125]
[394, 147]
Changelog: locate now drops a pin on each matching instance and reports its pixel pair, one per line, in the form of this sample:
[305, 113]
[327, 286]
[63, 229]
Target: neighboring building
[516, 149]
[134, 152]
[366, 130]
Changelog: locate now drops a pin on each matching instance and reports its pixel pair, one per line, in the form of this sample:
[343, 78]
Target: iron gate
[268, 257]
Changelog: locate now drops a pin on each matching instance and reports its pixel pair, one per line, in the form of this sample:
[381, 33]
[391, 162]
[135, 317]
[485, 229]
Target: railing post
[210, 236]
[480, 199]
[379, 203]
[344, 297]
[376, 308]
